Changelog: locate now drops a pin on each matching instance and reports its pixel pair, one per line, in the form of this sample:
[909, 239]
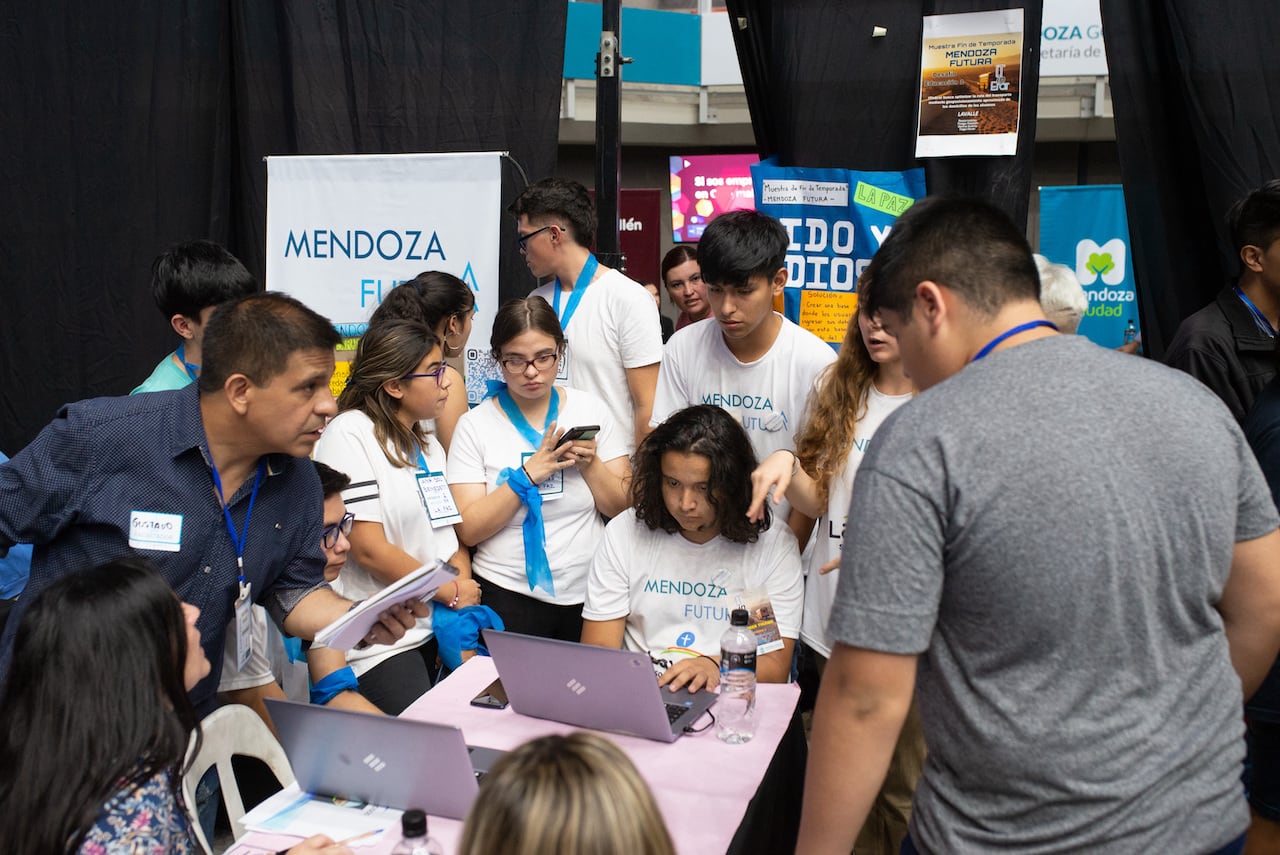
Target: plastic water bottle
[1130, 333]
[735, 710]
[414, 839]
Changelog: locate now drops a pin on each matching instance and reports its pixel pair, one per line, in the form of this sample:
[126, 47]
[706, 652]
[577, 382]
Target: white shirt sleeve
[465, 462]
[671, 394]
[639, 328]
[608, 586]
[783, 579]
[343, 448]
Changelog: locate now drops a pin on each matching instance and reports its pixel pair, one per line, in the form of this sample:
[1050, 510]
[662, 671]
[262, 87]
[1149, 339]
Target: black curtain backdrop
[128, 130]
[1197, 107]
[824, 92]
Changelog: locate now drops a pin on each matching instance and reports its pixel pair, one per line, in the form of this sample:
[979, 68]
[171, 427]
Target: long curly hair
[713, 433]
[837, 404]
[95, 703]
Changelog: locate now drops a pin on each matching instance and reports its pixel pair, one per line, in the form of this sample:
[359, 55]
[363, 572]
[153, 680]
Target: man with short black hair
[188, 281]
[210, 484]
[610, 322]
[1078, 641]
[752, 362]
[1227, 345]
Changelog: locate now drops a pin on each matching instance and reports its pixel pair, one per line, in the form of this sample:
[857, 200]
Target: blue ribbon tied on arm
[535, 533]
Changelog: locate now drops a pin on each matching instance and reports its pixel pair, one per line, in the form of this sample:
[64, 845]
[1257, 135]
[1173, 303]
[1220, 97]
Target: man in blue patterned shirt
[147, 474]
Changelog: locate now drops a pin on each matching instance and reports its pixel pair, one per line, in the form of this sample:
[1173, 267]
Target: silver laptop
[590, 686]
[380, 760]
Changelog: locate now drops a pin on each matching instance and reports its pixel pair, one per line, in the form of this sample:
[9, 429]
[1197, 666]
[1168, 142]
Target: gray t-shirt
[1051, 529]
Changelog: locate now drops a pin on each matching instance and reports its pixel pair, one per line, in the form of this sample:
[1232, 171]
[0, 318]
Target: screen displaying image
[703, 186]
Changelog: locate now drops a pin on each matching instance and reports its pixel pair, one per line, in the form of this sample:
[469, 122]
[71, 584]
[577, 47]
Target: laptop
[589, 686]
[380, 760]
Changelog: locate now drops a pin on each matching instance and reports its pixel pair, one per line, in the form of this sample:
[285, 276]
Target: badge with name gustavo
[155, 530]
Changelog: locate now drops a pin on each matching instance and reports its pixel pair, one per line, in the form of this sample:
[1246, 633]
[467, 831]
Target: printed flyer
[970, 80]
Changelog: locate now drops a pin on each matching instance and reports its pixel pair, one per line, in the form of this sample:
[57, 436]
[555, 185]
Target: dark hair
[521, 315]
[676, 257]
[1255, 219]
[189, 277]
[256, 335]
[332, 482]
[430, 298]
[95, 702]
[388, 351]
[968, 245]
[562, 199]
[713, 433]
[739, 245]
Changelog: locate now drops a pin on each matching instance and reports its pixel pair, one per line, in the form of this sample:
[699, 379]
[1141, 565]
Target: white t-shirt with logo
[484, 443]
[614, 328]
[828, 534]
[383, 493]
[767, 396]
[677, 595]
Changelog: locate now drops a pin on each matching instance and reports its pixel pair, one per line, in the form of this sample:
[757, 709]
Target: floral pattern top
[145, 819]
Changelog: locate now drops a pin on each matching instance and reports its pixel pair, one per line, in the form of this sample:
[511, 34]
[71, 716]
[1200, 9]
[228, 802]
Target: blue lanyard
[575, 297]
[1020, 328]
[238, 538]
[422, 463]
[521, 423]
[193, 371]
[1260, 319]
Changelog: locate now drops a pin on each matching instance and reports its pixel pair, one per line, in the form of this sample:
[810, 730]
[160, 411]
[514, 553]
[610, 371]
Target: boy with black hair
[752, 361]
[188, 281]
[613, 336]
[1227, 345]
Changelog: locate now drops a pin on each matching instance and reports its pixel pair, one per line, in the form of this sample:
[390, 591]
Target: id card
[761, 619]
[244, 626]
[562, 370]
[553, 487]
[437, 498]
[154, 530]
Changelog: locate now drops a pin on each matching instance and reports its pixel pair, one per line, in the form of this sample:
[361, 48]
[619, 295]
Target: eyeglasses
[438, 374]
[521, 240]
[329, 534]
[519, 365]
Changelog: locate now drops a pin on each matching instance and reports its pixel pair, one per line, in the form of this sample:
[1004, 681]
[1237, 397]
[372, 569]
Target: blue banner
[836, 219]
[1085, 228]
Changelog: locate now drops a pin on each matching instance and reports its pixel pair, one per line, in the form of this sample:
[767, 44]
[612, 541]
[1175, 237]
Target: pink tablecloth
[701, 784]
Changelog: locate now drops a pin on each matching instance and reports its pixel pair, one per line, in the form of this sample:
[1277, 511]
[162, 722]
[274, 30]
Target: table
[702, 785]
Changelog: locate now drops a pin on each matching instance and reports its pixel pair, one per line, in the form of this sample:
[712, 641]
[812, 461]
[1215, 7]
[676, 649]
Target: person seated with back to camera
[576, 794]
[91, 756]
[672, 568]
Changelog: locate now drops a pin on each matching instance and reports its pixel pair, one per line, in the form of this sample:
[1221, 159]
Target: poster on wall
[704, 186]
[836, 219]
[343, 230]
[1071, 39]
[1086, 229]
[970, 82]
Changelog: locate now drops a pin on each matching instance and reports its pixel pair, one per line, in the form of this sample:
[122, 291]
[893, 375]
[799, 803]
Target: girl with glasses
[446, 305]
[531, 505]
[397, 382]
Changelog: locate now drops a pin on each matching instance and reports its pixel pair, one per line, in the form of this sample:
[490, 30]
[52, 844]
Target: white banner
[1071, 39]
[343, 230]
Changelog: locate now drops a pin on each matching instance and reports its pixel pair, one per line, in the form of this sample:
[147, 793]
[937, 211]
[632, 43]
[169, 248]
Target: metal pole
[609, 133]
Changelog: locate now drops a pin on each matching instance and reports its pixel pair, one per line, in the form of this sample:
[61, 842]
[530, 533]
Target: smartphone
[576, 433]
[492, 696]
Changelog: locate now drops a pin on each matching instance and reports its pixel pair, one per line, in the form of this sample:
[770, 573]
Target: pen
[360, 836]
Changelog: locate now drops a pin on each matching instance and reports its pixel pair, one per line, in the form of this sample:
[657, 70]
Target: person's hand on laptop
[692, 674]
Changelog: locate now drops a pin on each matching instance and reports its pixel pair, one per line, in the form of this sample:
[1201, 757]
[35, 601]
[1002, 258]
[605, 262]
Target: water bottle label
[737, 661]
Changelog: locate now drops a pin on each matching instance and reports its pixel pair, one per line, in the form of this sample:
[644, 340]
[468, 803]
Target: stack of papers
[350, 629]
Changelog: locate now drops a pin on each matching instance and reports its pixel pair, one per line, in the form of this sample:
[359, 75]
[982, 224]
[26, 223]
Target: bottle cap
[413, 823]
[738, 617]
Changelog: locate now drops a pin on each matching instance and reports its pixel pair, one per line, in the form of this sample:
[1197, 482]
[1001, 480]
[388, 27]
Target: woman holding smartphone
[404, 512]
[531, 503]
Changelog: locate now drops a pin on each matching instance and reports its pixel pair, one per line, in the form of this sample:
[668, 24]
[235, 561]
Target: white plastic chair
[232, 730]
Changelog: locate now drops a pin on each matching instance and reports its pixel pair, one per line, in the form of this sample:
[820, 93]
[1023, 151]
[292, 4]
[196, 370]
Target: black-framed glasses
[438, 374]
[519, 365]
[329, 534]
[521, 240]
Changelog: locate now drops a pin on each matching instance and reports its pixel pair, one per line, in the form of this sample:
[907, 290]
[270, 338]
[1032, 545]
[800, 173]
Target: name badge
[244, 626]
[761, 619]
[562, 370]
[553, 487]
[437, 498]
[155, 530]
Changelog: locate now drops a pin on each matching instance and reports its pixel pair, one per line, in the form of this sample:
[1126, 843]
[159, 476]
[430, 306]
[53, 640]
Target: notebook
[380, 760]
[590, 686]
